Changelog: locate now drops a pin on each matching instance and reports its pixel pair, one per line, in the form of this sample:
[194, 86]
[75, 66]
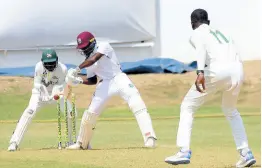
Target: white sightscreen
[31, 23]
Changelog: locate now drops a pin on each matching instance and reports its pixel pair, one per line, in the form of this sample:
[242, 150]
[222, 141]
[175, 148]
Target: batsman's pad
[86, 128]
[145, 124]
[136, 103]
[138, 107]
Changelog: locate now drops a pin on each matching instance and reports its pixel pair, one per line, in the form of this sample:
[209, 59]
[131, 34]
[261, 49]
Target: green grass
[12, 107]
[118, 144]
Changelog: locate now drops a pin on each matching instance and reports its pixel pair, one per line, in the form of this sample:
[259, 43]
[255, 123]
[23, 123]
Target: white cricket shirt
[107, 67]
[212, 47]
[49, 79]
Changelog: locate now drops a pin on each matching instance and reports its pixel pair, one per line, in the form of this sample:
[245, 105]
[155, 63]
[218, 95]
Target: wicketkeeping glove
[73, 72]
[73, 81]
[57, 90]
[47, 98]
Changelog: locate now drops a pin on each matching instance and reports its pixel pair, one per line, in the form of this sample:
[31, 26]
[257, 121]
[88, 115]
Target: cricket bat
[67, 91]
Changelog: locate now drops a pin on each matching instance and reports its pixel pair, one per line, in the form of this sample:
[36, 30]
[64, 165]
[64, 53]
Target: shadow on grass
[96, 149]
[256, 165]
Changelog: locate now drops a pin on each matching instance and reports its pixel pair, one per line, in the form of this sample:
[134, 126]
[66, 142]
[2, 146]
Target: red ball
[56, 97]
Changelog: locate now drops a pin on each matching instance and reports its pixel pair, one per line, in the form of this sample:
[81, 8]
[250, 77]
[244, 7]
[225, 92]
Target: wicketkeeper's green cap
[49, 55]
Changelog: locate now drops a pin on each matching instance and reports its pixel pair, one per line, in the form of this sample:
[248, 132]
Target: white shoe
[77, 146]
[12, 147]
[246, 161]
[150, 143]
[179, 158]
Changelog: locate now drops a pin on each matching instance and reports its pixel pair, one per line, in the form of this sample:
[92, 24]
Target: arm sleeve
[90, 71]
[38, 77]
[197, 41]
[104, 48]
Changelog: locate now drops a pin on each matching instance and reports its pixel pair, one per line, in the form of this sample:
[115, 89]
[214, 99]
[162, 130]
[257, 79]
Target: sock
[244, 151]
[184, 149]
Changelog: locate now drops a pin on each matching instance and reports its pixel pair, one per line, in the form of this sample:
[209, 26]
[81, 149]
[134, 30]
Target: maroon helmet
[86, 43]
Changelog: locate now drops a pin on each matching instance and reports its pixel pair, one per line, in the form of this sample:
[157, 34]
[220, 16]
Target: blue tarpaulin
[152, 65]
[157, 65]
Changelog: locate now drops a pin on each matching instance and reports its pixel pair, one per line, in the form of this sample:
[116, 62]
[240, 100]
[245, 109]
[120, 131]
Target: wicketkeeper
[49, 80]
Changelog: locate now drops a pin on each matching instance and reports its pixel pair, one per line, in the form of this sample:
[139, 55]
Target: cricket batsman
[101, 61]
[49, 80]
[219, 68]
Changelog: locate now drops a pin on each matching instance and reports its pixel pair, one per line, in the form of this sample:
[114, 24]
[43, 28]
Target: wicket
[59, 125]
[72, 117]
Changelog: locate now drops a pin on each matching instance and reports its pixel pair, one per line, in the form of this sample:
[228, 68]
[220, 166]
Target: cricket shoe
[12, 147]
[180, 158]
[150, 142]
[77, 146]
[246, 161]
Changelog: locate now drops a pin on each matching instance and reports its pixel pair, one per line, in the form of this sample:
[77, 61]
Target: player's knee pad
[230, 112]
[96, 106]
[89, 117]
[88, 124]
[136, 104]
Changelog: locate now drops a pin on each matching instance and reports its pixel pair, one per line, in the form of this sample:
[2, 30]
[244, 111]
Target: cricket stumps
[67, 116]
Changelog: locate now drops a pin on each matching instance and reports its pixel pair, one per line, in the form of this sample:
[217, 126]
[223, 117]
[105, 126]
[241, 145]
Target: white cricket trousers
[120, 85]
[228, 78]
[34, 105]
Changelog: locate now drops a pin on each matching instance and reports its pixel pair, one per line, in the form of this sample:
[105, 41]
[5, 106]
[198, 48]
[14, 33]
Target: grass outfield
[48, 113]
[118, 143]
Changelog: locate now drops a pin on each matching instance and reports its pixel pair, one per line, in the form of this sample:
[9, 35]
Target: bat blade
[67, 92]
